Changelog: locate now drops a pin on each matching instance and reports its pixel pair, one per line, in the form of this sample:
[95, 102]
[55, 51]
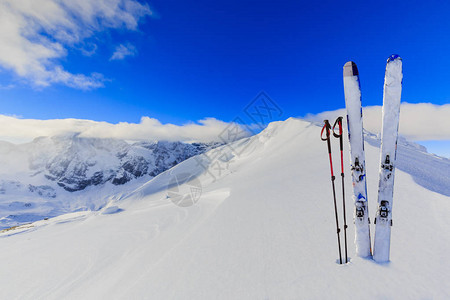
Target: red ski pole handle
[326, 127]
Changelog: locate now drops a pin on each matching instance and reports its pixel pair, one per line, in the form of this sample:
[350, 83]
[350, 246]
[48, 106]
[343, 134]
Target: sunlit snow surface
[262, 229]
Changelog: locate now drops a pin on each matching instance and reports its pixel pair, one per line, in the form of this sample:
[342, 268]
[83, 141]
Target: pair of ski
[389, 134]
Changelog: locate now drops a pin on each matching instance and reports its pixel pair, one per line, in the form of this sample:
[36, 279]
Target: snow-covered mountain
[49, 170]
[259, 225]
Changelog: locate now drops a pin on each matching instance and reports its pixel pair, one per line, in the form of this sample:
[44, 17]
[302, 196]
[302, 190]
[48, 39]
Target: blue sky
[201, 59]
[180, 61]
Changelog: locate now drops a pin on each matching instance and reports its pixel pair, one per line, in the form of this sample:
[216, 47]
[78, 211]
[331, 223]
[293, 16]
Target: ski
[389, 134]
[352, 91]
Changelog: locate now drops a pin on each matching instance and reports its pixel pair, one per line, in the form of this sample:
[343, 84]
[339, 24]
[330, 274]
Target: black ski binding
[387, 164]
[383, 212]
[384, 209]
[360, 208]
[358, 168]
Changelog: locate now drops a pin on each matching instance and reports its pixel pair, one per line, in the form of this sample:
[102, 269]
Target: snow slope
[263, 228]
[51, 176]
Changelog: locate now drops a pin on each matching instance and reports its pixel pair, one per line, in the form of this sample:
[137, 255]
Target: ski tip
[350, 69]
[394, 57]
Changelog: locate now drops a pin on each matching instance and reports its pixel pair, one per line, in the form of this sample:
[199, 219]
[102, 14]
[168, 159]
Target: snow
[262, 229]
[111, 210]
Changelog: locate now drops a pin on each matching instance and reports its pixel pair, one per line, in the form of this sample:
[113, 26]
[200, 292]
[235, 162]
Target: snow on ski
[389, 134]
[352, 93]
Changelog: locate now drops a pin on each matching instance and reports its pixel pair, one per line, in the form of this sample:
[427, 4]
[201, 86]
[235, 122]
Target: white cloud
[418, 122]
[35, 35]
[122, 51]
[18, 130]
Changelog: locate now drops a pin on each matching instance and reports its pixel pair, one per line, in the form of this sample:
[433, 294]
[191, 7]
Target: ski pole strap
[338, 135]
[339, 123]
[326, 127]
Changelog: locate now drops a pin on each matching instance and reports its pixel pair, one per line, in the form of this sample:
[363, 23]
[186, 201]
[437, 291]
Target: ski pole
[327, 126]
[339, 135]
